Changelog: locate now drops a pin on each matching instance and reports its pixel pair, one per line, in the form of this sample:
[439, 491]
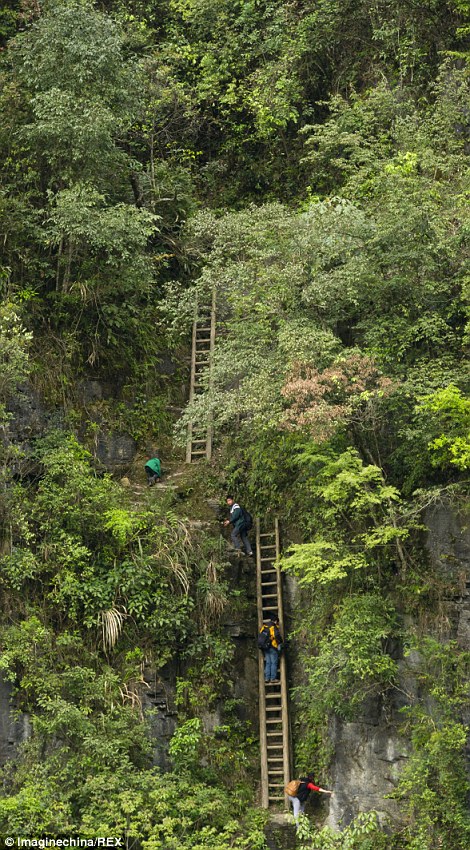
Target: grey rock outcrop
[13, 730]
[370, 752]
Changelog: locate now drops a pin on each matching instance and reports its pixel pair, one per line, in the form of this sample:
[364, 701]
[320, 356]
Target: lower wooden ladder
[275, 749]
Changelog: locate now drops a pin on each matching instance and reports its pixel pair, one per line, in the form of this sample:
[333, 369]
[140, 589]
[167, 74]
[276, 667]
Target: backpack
[264, 638]
[275, 637]
[248, 519]
[292, 787]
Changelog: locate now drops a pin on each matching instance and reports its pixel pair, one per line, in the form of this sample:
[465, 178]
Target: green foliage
[92, 581]
[336, 389]
[364, 833]
[185, 745]
[434, 783]
[450, 413]
[352, 660]
[90, 553]
[356, 518]
[170, 810]
[14, 350]
[77, 233]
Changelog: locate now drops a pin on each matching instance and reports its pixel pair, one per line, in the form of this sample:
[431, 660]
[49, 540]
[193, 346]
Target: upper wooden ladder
[273, 702]
[199, 442]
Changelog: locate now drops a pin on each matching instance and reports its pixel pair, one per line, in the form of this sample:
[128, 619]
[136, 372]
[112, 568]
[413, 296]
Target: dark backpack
[264, 638]
[247, 519]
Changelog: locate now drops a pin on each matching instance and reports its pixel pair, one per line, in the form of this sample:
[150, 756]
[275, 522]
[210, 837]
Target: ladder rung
[269, 546]
[269, 596]
[274, 735]
[275, 799]
[265, 583]
[276, 773]
[272, 759]
[266, 561]
[275, 708]
[268, 534]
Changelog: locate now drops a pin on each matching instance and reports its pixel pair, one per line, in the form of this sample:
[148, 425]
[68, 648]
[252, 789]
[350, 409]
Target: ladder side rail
[211, 354]
[287, 766]
[263, 740]
[192, 381]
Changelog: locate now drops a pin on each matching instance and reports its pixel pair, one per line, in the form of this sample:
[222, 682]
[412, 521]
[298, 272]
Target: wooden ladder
[273, 703]
[199, 442]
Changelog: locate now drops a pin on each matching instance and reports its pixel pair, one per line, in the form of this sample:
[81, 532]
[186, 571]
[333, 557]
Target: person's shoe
[250, 554]
[275, 681]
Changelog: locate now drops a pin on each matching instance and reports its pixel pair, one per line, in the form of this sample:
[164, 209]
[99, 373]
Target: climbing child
[153, 468]
[242, 522]
[270, 643]
[298, 791]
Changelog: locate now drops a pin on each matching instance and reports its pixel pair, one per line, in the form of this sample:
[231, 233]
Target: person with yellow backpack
[270, 644]
[298, 791]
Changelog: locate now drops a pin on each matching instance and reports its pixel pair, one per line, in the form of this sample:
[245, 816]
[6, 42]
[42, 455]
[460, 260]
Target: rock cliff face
[369, 753]
[30, 419]
[12, 731]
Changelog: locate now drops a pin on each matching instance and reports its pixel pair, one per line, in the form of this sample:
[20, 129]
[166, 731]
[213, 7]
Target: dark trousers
[151, 475]
[240, 536]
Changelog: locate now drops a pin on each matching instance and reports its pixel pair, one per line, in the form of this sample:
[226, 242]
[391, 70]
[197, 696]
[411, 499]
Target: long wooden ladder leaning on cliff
[199, 443]
[273, 703]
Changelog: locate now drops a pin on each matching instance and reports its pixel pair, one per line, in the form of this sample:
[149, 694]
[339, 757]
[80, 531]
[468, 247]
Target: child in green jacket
[153, 469]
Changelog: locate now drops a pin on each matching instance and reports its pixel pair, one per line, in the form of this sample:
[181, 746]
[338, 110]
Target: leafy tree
[15, 341]
[451, 413]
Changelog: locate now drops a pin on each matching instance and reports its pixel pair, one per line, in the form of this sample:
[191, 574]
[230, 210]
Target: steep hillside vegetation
[309, 163]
